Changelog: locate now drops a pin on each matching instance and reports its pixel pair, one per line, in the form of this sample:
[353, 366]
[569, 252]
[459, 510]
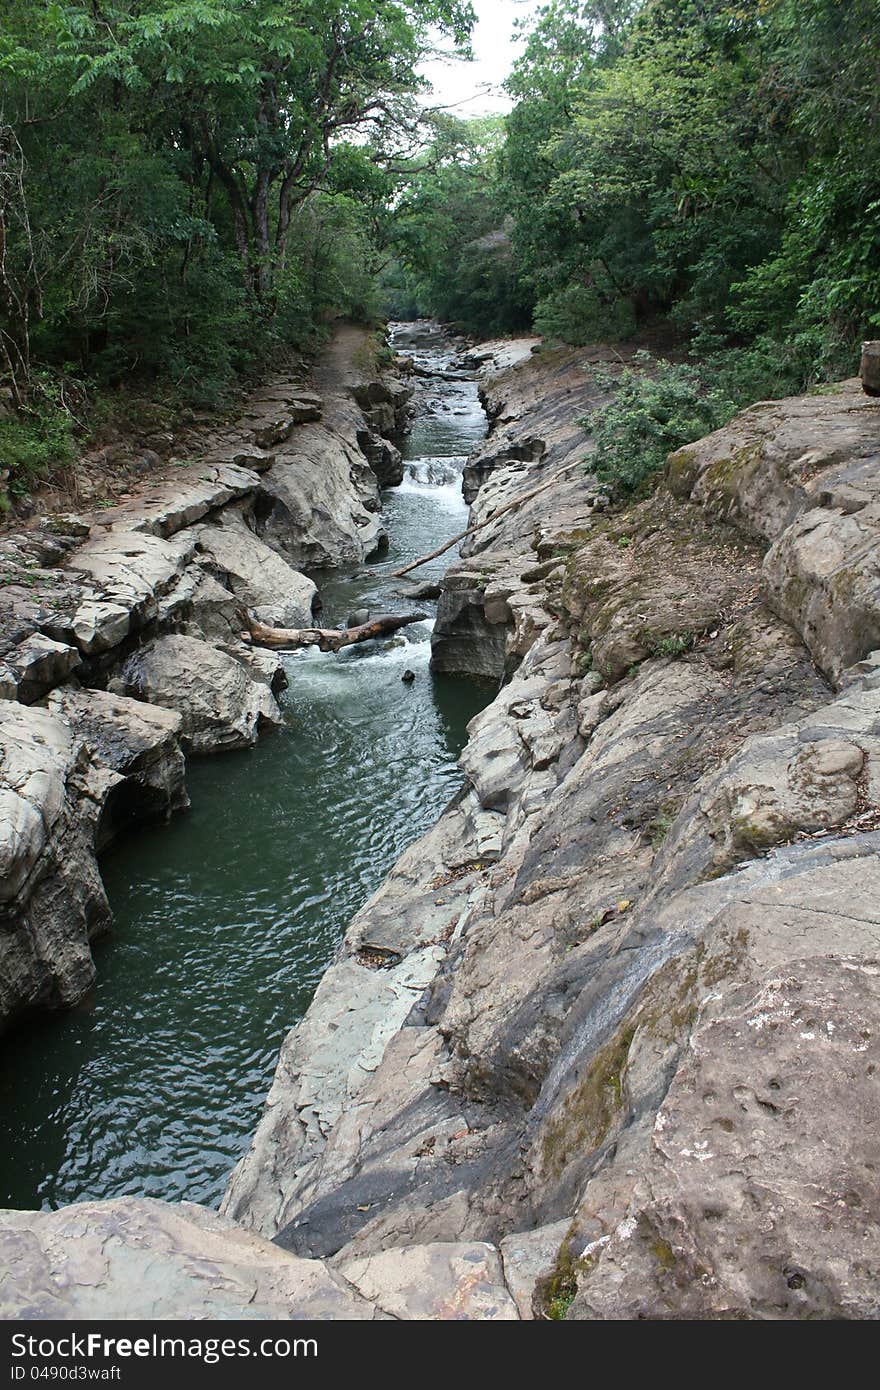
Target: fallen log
[326, 639]
[471, 530]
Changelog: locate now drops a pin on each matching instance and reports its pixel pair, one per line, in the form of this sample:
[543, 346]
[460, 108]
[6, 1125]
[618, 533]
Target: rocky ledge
[120, 644]
[616, 1016]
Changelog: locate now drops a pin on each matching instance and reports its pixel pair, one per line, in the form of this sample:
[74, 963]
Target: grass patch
[675, 644]
[34, 448]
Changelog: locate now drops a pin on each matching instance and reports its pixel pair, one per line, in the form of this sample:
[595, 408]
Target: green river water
[227, 917]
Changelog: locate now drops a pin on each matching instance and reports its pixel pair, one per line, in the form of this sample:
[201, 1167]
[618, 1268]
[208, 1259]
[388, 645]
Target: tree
[180, 161]
[451, 231]
[259, 92]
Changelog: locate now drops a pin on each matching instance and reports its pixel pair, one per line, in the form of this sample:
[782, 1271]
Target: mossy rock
[587, 1113]
[682, 471]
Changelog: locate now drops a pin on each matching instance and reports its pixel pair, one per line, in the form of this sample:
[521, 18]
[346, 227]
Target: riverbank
[603, 1043]
[645, 935]
[225, 920]
[121, 640]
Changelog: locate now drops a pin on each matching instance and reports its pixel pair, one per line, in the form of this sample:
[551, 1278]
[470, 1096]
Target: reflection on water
[227, 918]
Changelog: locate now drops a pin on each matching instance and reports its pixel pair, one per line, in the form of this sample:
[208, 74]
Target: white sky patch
[474, 89]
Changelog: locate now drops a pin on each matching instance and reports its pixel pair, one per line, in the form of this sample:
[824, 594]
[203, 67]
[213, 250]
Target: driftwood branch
[471, 530]
[326, 639]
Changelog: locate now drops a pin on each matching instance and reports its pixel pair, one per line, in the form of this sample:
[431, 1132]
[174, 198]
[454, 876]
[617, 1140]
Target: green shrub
[578, 315]
[33, 448]
[653, 409]
[762, 370]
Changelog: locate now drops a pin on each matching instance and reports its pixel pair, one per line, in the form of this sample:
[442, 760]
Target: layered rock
[804, 475]
[53, 901]
[602, 1045]
[72, 777]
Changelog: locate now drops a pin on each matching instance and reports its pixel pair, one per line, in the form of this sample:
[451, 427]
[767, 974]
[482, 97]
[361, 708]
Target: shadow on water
[226, 919]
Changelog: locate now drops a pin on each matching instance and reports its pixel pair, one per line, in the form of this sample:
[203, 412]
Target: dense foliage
[714, 164]
[451, 240]
[652, 410]
[188, 186]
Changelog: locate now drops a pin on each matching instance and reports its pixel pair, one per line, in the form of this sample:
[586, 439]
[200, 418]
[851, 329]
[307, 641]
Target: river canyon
[569, 942]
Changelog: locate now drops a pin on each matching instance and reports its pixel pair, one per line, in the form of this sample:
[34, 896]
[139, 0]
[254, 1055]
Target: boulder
[200, 606]
[35, 666]
[429, 589]
[869, 370]
[73, 777]
[52, 902]
[322, 501]
[822, 575]
[464, 640]
[220, 704]
[257, 575]
[780, 458]
[134, 749]
[383, 457]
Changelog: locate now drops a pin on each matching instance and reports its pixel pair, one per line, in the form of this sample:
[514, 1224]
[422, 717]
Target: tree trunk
[870, 368]
[326, 639]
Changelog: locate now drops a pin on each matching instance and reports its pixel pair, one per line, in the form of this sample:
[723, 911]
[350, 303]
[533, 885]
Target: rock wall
[120, 644]
[615, 1016]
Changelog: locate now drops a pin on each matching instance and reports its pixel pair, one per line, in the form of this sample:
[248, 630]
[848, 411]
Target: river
[227, 917]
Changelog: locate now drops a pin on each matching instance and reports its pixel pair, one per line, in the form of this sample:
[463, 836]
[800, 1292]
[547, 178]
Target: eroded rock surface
[73, 776]
[603, 1043]
[257, 575]
[220, 705]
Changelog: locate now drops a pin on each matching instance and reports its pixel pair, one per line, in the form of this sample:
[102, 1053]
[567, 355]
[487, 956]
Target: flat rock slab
[142, 1259]
[758, 1199]
[188, 495]
[446, 1282]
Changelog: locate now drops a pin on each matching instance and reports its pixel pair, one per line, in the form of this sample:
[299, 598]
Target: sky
[474, 89]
